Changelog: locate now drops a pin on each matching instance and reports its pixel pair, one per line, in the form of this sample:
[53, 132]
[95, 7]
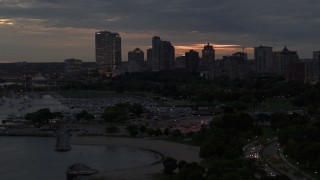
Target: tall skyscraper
[208, 57]
[167, 56]
[263, 59]
[108, 50]
[192, 61]
[163, 54]
[284, 59]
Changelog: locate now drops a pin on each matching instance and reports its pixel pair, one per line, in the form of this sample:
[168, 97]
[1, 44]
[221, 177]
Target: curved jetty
[80, 171]
[63, 143]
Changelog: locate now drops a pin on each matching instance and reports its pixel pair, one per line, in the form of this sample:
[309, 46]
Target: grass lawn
[278, 104]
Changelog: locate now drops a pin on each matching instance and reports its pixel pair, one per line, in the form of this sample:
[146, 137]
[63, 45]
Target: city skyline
[36, 30]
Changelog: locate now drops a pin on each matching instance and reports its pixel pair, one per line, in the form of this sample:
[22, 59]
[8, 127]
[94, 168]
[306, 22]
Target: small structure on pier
[63, 143]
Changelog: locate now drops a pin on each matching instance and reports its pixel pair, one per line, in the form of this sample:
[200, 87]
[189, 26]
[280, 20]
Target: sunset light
[5, 22]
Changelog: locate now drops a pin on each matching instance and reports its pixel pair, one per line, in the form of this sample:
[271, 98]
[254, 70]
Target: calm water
[35, 158]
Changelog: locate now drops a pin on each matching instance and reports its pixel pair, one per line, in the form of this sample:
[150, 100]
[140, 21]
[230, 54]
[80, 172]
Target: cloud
[247, 23]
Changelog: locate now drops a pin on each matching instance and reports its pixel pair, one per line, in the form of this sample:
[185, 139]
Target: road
[272, 153]
[252, 150]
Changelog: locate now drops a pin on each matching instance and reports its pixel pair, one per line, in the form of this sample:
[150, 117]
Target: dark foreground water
[35, 158]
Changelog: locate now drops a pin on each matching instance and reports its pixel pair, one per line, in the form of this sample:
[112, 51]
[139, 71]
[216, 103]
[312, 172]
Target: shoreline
[161, 147]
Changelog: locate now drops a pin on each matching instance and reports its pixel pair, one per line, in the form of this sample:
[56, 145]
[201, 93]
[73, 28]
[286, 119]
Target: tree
[84, 115]
[150, 132]
[143, 129]
[136, 109]
[169, 165]
[133, 130]
[176, 133]
[166, 131]
[190, 171]
[115, 114]
[41, 116]
[158, 132]
[112, 129]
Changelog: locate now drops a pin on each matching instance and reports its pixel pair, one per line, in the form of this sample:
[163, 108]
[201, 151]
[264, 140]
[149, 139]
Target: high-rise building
[263, 59]
[208, 57]
[192, 61]
[108, 50]
[315, 67]
[136, 60]
[149, 58]
[156, 53]
[284, 59]
[163, 54]
[167, 56]
[137, 56]
[180, 62]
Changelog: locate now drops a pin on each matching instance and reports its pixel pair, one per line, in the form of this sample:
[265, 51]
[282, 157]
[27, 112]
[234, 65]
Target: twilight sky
[54, 30]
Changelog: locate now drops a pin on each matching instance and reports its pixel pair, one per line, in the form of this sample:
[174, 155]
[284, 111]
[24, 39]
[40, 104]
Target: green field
[93, 93]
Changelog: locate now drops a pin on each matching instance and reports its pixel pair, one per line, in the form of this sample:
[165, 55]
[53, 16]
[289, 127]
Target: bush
[112, 129]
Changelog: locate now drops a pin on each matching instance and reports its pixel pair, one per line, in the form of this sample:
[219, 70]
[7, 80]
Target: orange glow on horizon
[221, 49]
[5, 22]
